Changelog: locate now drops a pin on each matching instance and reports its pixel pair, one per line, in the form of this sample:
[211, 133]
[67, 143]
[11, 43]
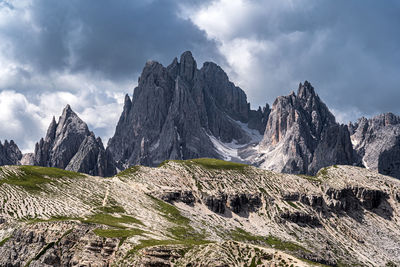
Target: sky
[89, 54]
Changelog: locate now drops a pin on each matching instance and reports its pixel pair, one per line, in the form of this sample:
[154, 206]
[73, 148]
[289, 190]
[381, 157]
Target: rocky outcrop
[183, 196]
[377, 143]
[9, 153]
[89, 221]
[70, 145]
[302, 135]
[301, 219]
[179, 112]
[240, 203]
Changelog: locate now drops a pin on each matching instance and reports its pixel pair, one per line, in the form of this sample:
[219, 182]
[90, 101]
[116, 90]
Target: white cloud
[26, 120]
[20, 120]
[345, 49]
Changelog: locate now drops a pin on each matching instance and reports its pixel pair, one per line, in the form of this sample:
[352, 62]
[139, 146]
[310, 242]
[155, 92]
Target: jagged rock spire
[70, 145]
[302, 136]
[9, 153]
[377, 143]
[176, 109]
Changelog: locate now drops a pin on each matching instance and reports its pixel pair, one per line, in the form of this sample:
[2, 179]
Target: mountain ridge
[183, 112]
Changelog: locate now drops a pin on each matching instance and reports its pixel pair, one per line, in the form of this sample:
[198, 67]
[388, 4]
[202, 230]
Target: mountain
[182, 112]
[9, 153]
[302, 135]
[201, 212]
[377, 143]
[70, 145]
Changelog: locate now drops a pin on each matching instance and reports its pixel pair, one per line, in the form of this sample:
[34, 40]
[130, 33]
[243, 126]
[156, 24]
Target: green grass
[170, 212]
[2, 242]
[32, 177]
[211, 164]
[130, 171]
[118, 233]
[111, 209]
[107, 219]
[323, 172]
[182, 231]
[292, 204]
[310, 178]
[242, 236]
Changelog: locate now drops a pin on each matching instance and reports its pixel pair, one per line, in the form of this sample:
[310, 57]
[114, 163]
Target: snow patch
[226, 150]
[255, 135]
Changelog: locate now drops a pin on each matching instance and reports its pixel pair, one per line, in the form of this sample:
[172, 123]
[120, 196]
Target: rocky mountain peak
[302, 136]
[306, 90]
[188, 66]
[9, 153]
[66, 147]
[385, 119]
[176, 109]
[377, 143]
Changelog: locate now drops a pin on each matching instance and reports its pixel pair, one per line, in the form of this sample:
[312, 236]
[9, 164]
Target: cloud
[347, 49]
[26, 117]
[26, 121]
[90, 53]
[84, 53]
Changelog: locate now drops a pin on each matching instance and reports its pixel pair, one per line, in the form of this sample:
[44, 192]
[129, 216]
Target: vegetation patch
[292, 204]
[211, 164]
[262, 190]
[31, 177]
[2, 242]
[241, 235]
[323, 172]
[111, 209]
[170, 212]
[128, 172]
[314, 179]
[166, 242]
[182, 232]
[118, 233]
[107, 219]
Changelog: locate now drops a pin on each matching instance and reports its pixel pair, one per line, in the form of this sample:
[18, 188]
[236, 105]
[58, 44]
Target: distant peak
[305, 90]
[67, 113]
[67, 107]
[186, 55]
[188, 66]
[127, 98]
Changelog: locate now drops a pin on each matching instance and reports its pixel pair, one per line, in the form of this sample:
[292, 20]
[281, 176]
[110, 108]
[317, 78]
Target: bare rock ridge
[182, 112]
[70, 145]
[185, 112]
[175, 110]
[377, 143]
[302, 135]
[9, 153]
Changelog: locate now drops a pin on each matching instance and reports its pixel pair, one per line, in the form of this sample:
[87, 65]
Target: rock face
[70, 145]
[302, 135]
[181, 112]
[9, 153]
[184, 212]
[377, 143]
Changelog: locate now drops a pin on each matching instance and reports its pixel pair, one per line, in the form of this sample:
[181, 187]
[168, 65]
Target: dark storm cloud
[349, 50]
[84, 53]
[112, 38]
[89, 53]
